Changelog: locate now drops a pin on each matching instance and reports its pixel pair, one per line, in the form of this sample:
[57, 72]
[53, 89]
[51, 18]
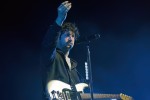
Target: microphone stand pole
[90, 70]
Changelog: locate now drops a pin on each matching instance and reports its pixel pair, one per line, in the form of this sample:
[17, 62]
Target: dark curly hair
[71, 27]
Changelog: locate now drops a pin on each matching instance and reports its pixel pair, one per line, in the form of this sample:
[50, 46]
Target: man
[56, 47]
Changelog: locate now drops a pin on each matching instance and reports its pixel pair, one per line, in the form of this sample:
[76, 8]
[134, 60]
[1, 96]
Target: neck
[66, 54]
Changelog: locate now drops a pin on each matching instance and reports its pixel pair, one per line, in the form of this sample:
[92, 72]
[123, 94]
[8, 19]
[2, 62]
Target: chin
[69, 47]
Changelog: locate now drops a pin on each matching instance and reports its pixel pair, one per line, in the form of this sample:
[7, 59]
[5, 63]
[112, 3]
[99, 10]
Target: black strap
[75, 93]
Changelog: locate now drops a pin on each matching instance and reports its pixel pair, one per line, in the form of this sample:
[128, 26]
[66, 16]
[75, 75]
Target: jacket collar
[73, 62]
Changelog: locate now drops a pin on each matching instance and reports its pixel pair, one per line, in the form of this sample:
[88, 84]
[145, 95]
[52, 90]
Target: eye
[68, 34]
[73, 35]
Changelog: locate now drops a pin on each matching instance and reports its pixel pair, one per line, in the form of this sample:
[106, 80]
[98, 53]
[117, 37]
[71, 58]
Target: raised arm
[50, 41]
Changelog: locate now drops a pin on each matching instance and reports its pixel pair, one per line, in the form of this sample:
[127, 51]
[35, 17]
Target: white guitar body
[58, 86]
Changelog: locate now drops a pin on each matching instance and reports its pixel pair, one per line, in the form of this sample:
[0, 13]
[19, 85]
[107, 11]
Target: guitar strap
[74, 95]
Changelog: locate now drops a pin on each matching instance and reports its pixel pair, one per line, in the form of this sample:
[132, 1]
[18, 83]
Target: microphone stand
[90, 70]
[88, 64]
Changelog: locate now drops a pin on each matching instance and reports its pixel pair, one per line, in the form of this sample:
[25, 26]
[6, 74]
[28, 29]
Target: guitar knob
[53, 92]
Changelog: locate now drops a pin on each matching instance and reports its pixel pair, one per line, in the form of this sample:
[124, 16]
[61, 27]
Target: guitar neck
[87, 96]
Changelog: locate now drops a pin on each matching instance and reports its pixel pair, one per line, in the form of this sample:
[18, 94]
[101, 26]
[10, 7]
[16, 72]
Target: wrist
[59, 21]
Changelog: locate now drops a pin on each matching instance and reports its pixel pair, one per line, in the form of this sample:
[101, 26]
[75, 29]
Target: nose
[70, 38]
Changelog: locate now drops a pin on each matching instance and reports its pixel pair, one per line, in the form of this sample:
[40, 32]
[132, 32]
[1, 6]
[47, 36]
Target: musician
[56, 46]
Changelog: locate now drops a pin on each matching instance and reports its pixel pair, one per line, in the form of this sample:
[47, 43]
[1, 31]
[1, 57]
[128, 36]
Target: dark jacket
[53, 60]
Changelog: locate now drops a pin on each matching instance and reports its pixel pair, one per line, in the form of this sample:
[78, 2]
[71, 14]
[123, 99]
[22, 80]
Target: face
[66, 41]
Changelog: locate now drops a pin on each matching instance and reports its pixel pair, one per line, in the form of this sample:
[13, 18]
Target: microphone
[88, 38]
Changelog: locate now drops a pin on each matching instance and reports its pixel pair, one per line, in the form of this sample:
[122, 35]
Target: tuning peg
[125, 97]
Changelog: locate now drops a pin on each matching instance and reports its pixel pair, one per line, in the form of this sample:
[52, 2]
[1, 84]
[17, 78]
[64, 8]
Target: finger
[65, 7]
[68, 8]
[67, 4]
[64, 3]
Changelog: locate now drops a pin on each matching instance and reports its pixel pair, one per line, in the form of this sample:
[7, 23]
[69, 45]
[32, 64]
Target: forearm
[50, 38]
[49, 43]
[59, 21]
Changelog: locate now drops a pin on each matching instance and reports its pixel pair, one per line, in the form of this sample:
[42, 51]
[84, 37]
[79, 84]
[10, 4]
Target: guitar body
[58, 86]
[61, 91]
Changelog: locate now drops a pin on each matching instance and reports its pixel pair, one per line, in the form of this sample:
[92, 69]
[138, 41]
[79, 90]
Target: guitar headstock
[125, 97]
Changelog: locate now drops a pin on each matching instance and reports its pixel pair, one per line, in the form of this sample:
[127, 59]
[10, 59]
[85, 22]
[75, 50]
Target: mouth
[70, 43]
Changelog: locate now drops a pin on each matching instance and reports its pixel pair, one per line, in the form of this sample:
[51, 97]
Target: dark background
[120, 58]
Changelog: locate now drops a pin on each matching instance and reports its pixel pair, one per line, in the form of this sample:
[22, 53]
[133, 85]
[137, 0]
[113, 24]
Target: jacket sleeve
[48, 47]
[49, 42]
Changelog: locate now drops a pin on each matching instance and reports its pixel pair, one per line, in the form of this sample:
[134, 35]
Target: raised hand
[62, 12]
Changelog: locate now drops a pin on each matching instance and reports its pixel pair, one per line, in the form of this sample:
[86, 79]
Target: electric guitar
[61, 91]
